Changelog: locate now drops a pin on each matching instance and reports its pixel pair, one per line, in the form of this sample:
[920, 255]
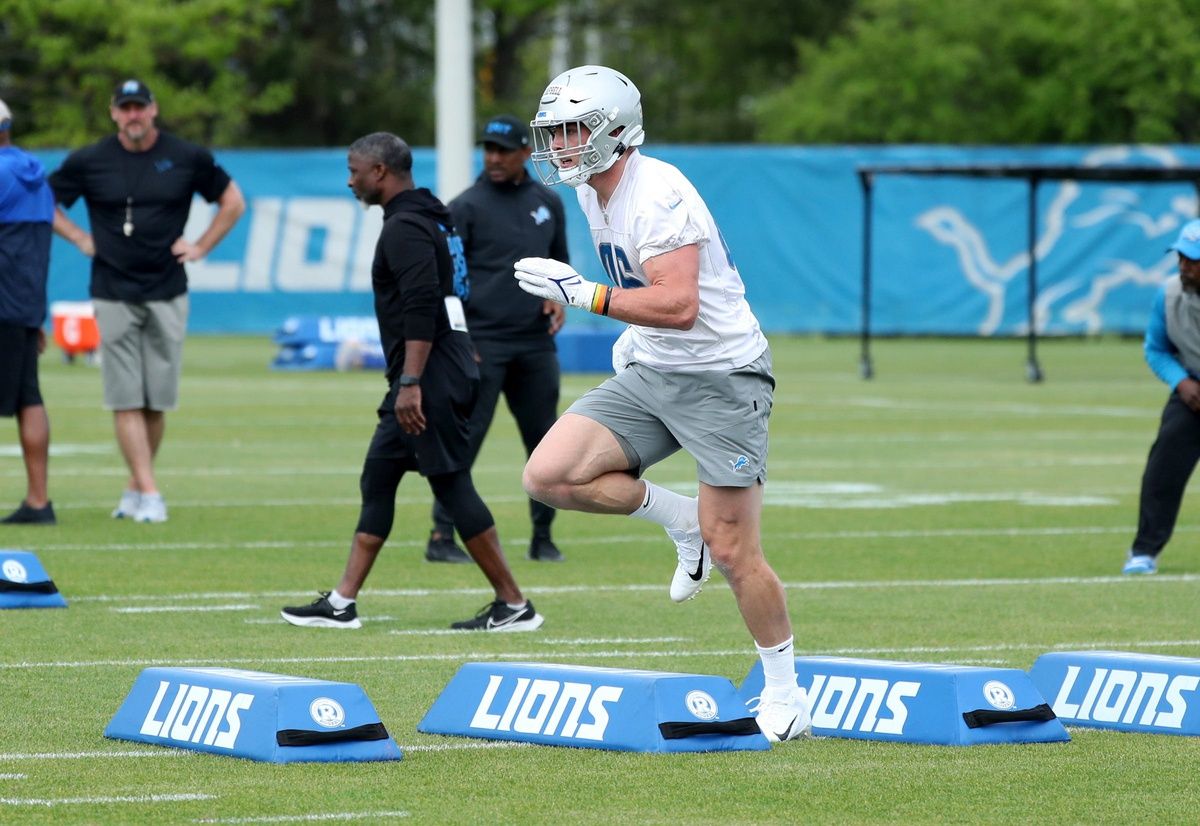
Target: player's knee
[378, 484]
[538, 482]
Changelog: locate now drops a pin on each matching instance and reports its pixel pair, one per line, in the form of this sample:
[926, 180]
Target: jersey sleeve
[412, 260]
[67, 180]
[1160, 353]
[666, 222]
[209, 179]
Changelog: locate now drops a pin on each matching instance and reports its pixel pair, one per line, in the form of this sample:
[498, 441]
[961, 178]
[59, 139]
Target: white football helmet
[596, 98]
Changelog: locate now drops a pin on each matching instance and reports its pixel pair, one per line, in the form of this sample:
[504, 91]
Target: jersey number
[616, 264]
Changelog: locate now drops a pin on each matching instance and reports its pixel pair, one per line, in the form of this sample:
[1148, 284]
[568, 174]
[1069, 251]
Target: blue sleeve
[1160, 352]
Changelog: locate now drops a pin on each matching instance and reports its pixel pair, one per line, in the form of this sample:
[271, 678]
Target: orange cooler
[75, 329]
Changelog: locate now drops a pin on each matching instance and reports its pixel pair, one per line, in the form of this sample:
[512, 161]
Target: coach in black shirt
[138, 186]
[505, 216]
[418, 278]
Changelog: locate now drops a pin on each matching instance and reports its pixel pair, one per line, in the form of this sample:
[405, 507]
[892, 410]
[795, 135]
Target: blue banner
[949, 254]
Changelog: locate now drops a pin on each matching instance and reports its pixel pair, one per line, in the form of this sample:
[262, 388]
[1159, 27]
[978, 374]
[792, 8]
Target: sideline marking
[599, 655]
[769, 537]
[555, 590]
[90, 801]
[182, 609]
[303, 818]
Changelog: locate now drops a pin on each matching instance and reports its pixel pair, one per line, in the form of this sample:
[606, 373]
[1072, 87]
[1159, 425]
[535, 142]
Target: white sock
[518, 607]
[673, 511]
[338, 601]
[779, 664]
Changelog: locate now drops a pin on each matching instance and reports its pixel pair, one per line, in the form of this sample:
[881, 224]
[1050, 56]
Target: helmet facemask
[572, 143]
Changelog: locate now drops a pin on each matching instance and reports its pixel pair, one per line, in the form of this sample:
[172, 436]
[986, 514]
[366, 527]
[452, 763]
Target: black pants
[1172, 459]
[527, 373]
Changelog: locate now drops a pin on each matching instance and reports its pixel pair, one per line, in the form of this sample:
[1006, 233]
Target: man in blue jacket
[26, 219]
[1172, 350]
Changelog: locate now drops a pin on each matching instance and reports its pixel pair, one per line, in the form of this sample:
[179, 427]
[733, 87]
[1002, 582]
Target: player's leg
[121, 371]
[20, 396]
[531, 388]
[164, 328]
[730, 520]
[492, 371]
[1169, 466]
[580, 465]
[388, 457]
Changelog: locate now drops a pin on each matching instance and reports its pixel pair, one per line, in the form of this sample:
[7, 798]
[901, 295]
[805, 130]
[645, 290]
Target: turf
[945, 511]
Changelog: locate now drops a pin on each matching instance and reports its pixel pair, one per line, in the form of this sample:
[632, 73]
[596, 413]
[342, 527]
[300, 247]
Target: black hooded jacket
[418, 263]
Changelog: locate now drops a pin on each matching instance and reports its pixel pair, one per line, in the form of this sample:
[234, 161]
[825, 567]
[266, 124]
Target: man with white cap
[26, 216]
[1172, 349]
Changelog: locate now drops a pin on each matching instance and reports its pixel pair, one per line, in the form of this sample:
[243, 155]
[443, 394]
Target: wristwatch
[408, 381]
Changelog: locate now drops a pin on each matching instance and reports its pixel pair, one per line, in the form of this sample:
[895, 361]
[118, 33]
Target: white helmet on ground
[597, 98]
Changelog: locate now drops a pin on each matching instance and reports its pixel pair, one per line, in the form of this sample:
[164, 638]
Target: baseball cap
[506, 131]
[1188, 241]
[132, 91]
[5, 117]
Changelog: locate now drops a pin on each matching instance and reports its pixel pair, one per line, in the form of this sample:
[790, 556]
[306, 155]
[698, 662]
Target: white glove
[547, 278]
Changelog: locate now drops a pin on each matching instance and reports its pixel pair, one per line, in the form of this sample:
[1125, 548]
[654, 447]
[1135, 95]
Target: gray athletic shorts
[718, 417]
[141, 352]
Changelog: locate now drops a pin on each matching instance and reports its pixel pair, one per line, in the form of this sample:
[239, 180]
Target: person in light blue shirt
[1172, 349]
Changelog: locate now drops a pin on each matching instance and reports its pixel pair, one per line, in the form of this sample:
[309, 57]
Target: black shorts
[448, 389]
[18, 368]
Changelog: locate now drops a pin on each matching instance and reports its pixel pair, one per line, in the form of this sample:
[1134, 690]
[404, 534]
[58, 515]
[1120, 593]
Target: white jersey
[654, 210]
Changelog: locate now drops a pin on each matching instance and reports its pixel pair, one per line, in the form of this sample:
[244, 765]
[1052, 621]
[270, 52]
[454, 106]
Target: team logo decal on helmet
[588, 118]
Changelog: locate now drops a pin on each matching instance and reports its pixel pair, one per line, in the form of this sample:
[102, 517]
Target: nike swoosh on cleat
[699, 565]
[491, 623]
[783, 735]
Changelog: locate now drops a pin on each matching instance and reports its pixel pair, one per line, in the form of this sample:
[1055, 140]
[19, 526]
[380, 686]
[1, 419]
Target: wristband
[408, 381]
[600, 299]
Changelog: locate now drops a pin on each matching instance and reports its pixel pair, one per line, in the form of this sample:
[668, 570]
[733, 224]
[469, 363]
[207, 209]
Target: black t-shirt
[501, 224]
[157, 185]
[413, 272]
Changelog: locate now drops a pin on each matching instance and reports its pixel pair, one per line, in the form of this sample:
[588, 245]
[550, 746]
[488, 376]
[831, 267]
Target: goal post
[1033, 175]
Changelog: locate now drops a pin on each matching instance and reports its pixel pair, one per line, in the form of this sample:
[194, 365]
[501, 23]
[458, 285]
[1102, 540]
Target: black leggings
[1172, 459]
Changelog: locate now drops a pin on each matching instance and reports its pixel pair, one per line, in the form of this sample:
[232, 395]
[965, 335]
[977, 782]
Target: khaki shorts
[141, 352]
[719, 417]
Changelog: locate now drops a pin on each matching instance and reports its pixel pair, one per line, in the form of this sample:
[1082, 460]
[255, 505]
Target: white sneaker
[151, 508]
[783, 714]
[695, 564]
[128, 505]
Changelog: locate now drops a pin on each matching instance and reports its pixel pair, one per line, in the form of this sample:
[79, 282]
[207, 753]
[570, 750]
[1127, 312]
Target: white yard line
[183, 609]
[49, 802]
[311, 818]
[771, 538]
[556, 590]
[536, 654]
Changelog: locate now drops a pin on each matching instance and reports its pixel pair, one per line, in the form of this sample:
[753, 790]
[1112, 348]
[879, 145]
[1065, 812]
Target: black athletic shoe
[25, 515]
[443, 549]
[497, 616]
[543, 549]
[320, 614]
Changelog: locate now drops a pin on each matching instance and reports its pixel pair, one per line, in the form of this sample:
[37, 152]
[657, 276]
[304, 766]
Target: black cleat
[321, 614]
[497, 616]
[543, 549]
[25, 515]
[443, 549]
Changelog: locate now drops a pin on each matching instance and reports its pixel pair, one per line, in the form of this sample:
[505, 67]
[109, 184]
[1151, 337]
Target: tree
[996, 71]
[61, 59]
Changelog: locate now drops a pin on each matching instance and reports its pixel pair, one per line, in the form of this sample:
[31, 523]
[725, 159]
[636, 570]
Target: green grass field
[946, 511]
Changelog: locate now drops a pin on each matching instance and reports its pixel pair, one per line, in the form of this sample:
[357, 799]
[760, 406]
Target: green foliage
[61, 60]
[997, 71]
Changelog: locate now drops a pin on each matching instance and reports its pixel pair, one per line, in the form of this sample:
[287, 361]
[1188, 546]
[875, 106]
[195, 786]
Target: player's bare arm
[671, 300]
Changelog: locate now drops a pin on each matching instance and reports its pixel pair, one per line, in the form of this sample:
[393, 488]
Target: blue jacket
[26, 220]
